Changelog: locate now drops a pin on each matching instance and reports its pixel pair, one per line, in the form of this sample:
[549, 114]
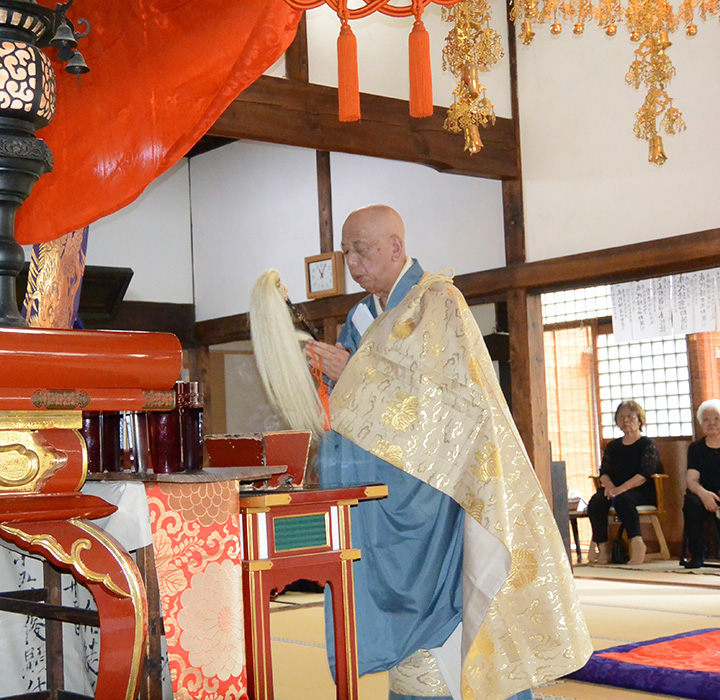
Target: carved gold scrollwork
[18, 465]
[26, 461]
[56, 552]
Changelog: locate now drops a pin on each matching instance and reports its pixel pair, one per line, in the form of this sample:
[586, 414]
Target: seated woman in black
[626, 477]
[703, 481]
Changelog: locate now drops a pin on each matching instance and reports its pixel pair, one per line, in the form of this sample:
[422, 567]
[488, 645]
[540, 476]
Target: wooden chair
[649, 514]
[712, 529]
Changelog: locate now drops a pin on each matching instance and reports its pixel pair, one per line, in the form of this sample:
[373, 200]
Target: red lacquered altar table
[47, 378]
[301, 533]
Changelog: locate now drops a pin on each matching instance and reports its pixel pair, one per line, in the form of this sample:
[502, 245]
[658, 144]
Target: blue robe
[408, 583]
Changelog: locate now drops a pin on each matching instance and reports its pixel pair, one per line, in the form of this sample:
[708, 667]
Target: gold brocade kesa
[421, 393]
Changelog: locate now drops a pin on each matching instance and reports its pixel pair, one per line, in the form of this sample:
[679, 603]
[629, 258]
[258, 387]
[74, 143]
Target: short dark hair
[635, 407]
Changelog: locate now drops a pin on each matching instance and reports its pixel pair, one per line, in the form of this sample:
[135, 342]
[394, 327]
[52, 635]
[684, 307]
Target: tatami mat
[300, 665]
[621, 604]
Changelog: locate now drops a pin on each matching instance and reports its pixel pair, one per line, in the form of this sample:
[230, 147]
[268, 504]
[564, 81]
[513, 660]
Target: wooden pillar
[324, 186]
[525, 326]
[527, 369]
[296, 56]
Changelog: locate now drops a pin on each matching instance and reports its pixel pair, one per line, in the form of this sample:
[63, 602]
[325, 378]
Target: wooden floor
[621, 604]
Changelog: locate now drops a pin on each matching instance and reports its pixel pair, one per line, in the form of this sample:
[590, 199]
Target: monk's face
[373, 255]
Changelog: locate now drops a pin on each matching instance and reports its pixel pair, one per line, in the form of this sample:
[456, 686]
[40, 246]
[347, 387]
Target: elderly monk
[437, 592]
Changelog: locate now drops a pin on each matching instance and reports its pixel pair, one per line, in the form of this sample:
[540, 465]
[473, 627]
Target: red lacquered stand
[301, 533]
[47, 378]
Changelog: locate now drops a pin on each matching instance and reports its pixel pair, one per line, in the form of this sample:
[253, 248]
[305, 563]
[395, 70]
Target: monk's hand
[333, 358]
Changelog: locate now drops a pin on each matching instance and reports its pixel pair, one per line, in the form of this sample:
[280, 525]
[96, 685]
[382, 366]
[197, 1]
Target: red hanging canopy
[162, 72]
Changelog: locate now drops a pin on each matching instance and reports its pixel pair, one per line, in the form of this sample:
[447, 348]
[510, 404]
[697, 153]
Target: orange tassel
[421, 94]
[348, 86]
[322, 388]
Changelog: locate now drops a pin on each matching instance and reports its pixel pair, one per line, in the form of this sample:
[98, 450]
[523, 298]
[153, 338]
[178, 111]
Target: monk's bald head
[373, 240]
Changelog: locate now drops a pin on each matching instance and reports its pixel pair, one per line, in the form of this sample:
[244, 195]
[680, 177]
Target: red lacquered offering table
[193, 573]
[301, 533]
[47, 378]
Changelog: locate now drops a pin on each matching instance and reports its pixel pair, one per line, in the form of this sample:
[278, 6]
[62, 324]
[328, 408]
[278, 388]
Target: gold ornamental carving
[26, 461]
[37, 420]
[57, 553]
[57, 399]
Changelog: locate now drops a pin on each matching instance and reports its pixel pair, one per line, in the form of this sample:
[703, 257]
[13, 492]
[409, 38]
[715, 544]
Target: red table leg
[96, 560]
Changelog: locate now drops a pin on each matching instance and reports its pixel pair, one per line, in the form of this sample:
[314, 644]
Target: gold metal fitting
[473, 144]
[471, 80]
[657, 154]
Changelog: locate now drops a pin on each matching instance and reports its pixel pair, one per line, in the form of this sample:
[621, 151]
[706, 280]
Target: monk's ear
[397, 247]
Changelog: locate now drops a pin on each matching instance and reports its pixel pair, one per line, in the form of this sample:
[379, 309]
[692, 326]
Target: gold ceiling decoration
[474, 46]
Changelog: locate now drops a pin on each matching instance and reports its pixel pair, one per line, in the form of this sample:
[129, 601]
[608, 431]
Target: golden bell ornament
[611, 30]
[657, 154]
[471, 80]
[556, 28]
[473, 144]
[527, 33]
[635, 35]
[663, 41]
[578, 28]
[691, 29]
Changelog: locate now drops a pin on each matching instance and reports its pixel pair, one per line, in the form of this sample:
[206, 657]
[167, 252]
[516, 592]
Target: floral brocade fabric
[421, 393]
[196, 536]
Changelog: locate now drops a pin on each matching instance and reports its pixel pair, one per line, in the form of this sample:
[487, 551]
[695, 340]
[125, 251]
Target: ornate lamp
[27, 103]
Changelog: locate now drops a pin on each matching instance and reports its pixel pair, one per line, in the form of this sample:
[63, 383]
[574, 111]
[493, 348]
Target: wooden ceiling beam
[667, 256]
[294, 113]
[690, 251]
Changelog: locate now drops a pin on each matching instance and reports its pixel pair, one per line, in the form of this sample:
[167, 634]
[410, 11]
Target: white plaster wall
[152, 236]
[383, 55]
[451, 221]
[254, 207]
[587, 181]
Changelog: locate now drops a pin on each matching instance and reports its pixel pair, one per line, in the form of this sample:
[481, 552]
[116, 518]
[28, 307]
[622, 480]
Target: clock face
[321, 275]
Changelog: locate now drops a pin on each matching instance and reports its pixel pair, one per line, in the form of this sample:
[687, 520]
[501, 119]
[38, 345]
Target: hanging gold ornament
[473, 144]
[650, 24]
[472, 47]
[527, 34]
[472, 81]
[657, 154]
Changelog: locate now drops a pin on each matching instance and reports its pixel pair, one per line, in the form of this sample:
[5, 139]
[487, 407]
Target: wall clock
[325, 275]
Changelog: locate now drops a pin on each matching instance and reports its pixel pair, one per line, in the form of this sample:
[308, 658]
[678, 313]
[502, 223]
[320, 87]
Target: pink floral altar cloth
[196, 536]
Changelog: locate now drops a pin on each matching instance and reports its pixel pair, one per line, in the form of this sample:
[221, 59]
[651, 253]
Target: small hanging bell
[64, 37]
[663, 41]
[76, 65]
[657, 154]
[527, 34]
[473, 144]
